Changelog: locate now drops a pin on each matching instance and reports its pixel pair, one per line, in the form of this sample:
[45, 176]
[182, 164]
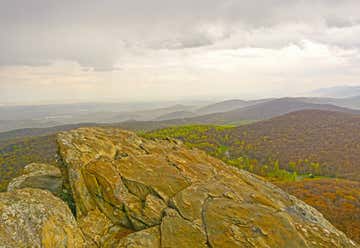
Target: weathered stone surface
[178, 232]
[149, 238]
[95, 226]
[42, 176]
[36, 218]
[160, 194]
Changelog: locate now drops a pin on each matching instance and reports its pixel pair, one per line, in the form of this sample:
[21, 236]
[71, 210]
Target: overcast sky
[117, 50]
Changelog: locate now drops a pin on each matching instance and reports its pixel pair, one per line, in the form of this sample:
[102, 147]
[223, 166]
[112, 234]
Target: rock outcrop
[36, 218]
[133, 192]
[41, 176]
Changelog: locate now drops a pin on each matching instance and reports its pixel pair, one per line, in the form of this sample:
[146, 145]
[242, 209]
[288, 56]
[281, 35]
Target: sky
[140, 50]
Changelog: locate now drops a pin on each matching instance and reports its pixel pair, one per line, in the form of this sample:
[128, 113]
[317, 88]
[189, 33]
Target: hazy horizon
[192, 100]
[131, 51]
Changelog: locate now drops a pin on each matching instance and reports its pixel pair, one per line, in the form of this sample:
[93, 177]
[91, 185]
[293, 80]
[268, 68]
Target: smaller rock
[36, 218]
[41, 176]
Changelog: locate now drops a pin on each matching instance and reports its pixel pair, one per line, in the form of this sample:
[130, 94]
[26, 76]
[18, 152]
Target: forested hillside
[319, 142]
[322, 143]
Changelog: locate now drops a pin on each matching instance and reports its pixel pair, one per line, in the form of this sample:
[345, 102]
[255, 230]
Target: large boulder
[36, 218]
[133, 192]
[42, 176]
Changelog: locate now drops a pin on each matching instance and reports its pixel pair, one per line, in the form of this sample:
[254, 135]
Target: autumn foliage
[338, 200]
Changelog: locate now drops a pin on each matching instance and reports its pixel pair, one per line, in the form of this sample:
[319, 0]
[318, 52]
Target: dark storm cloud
[97, 33]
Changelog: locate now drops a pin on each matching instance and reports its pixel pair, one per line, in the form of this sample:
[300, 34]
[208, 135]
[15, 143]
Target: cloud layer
[81, 47]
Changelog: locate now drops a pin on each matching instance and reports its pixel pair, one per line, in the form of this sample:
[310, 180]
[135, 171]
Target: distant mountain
[338, 91]
[222, 106]
[228, 105]
[257, 112]
[176, 115]
[43, 116]
[218, 107]
[348, 102]
[262, 111]
[226, 112]
[351, 102]
[155, 114]
[251, 110]
[65, 111]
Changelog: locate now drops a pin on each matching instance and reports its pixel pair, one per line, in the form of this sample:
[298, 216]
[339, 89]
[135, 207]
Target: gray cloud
[97, 33]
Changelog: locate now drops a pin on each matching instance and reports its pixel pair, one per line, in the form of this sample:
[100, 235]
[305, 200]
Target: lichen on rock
[36, 218]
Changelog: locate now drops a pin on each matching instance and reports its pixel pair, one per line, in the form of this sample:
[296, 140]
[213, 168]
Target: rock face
[132, 192]
[42, 176]
[36, 218]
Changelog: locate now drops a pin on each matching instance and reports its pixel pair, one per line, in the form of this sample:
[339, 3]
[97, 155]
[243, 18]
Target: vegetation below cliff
[337, 199]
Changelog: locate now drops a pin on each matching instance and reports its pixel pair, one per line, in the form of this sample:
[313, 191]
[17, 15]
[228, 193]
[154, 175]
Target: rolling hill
[309, 141]
[331, 139]
[175, 115]
[233, 111]
[262, 111]
[227, 105]
[218, 107]
[222, 106]
[241, 116]
[349, 102]
[159, 113]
